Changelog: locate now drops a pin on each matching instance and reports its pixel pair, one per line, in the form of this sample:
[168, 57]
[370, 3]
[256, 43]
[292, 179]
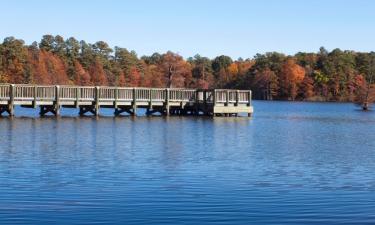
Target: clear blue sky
[238, 28]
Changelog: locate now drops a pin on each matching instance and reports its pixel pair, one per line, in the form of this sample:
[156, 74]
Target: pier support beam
[120, 110]
[6, 109]
[44, 109]
[83, 109]
[134, 109]
[150, 112]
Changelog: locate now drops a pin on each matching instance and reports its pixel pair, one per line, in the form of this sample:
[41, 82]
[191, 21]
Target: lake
[292, 163]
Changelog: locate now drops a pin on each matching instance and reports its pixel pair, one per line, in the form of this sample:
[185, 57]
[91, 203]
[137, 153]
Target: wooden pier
[125, 100]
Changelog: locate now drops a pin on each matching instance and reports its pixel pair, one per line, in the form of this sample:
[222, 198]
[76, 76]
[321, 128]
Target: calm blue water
[292, 163]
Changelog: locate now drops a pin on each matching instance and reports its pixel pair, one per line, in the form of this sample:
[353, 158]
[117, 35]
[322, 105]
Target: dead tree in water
[365, 86]
[365, 95]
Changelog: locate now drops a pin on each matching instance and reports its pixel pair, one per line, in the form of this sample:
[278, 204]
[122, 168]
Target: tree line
[322, 76]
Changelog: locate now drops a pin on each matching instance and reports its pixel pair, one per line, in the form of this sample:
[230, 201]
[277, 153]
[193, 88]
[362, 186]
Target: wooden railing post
[249, 100]
[11, 100]
[237, 97]
[35, 95]
[204, 97]
[204, 107]
[57, 100]
[214, 97]
[249, 103]
[150, 97]
[167, 101]
[77, 90]
[97, 98]
[214, 103]
[116, 97]
[134, 102]
[227, 97]
[196, 102]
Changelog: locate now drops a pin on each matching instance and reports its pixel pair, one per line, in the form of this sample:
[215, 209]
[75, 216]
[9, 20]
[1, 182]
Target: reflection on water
[291, 163]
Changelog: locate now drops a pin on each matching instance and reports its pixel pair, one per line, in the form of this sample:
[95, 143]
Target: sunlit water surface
[291, 163]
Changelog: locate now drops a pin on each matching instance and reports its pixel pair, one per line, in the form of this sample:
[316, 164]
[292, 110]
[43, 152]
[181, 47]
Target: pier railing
[31, 92]
[4, 92]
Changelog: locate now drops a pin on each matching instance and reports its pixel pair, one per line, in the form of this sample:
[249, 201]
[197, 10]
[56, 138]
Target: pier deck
[125, 100]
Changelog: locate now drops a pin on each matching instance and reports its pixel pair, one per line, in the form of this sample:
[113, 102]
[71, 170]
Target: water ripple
[293, 163]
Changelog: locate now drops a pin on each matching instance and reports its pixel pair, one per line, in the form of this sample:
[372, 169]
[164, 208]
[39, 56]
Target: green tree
[202, 71]
[87, 54]
[59, 46]
[153, 59]
[102, 49]
[47, 42]
[72, 48]
[220, 66]
[126, 59]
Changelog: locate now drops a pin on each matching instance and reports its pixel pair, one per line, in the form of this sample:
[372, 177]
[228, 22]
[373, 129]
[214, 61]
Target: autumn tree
[266, 84]
[232, 71]
[121, 81]
[291, 76]
[97, 73]
[49, 69]
[306, 88]
[13, 58]
[134, 77]
[176, 70]
[82, 77]
[153, 76]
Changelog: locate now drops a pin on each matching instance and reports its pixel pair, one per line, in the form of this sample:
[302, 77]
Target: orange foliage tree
[48, 68]
[134, 77]
[306, 88]
[153, 76]
[267, 84]
[176, 70]
[291, 76]
[97, 73]
[82, 77]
